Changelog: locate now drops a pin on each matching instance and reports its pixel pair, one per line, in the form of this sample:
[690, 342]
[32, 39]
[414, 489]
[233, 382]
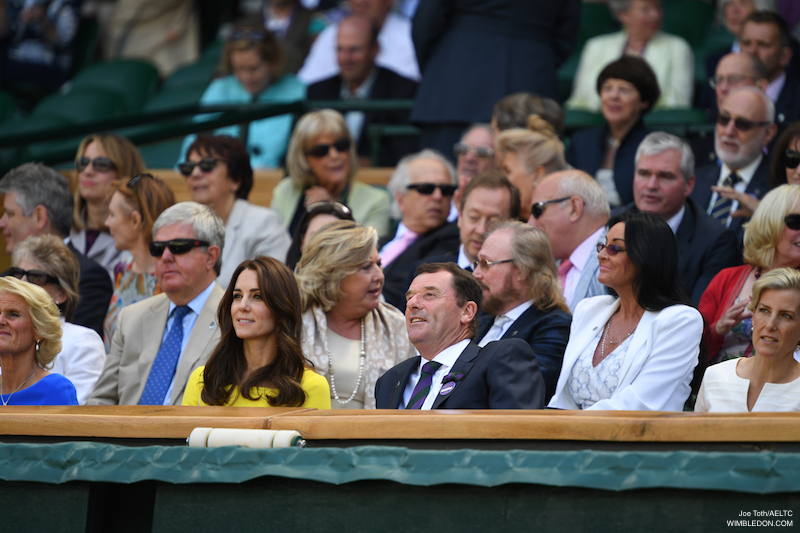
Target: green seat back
[81, 105]
[135, 81]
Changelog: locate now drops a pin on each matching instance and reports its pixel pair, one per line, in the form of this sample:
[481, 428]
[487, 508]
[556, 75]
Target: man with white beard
[745, 126]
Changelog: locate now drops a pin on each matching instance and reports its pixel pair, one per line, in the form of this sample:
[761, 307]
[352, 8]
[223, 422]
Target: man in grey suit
[572, 210]
[159, 341]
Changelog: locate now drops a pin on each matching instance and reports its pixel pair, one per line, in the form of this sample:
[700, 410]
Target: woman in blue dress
[30, 338]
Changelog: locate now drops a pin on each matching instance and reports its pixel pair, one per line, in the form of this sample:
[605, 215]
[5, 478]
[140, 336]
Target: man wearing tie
[522, 296]
[745, 126]
[159, 341]
[453, 372]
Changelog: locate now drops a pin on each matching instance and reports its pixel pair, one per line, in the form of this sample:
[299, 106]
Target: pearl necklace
[605, 337]
[5, 402]
[362, 357]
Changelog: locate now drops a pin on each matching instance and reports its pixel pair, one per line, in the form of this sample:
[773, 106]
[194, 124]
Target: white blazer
[657, 370]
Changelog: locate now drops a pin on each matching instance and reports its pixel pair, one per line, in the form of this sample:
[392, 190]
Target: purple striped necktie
[423, 385]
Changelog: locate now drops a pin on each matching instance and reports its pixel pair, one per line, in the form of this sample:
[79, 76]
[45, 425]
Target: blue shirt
[53, 389]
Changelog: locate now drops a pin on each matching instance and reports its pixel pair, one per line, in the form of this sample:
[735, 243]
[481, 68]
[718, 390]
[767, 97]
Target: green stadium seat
[689, 19]
[81, 106]
[8, 104]
[170, 99]
[675, 121]
[135, 81]
[194, 75]
[576, 119]
[30, 125]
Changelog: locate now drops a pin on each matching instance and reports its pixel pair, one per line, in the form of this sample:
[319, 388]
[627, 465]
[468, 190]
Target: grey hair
[617, 6]
[661, 141]
[579, 183]
[760, 5]
[477, 126]
[768, 104]
[206, 224]
[37, 184]
[401, 179]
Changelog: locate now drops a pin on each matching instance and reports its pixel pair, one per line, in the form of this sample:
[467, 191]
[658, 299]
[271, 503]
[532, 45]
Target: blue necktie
[163, 369]
[423, 385]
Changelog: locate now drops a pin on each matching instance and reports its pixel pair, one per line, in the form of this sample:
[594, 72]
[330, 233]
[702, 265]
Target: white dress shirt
[447, 358]
[513, 316]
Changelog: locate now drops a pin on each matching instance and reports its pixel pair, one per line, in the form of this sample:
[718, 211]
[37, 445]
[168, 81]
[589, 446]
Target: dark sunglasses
[176, 246]
[741, 124]
[335, 206]
[537, 209]
[206, 164]
[37, 277]
[100, 164]
[428, 188]
[252, 35]
[321, 150]
[611, 249]
[792, 158]
[792, 221]
[483, 152]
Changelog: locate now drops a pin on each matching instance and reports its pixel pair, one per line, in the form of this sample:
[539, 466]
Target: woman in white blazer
[637, 348]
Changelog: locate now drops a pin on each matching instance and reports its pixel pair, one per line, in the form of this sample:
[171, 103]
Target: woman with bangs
[258, 361]
[101, 159]
[322, 162]
[134, 206]
[771, 240]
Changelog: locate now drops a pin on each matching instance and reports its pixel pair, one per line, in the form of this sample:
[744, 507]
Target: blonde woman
[349, 334]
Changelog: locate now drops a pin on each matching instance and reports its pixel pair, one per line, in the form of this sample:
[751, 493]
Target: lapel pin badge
[447, 388]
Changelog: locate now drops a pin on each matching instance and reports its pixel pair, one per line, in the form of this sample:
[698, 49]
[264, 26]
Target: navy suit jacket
[546, 332]
[387, 85]
[588, 146]
[95, 290]
[502, 375]
[708, 175]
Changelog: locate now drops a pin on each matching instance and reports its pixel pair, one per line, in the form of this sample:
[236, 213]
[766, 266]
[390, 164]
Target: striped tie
[423, 385]
[722, 207]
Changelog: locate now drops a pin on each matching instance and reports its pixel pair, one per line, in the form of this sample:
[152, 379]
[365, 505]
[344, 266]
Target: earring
[37, 344]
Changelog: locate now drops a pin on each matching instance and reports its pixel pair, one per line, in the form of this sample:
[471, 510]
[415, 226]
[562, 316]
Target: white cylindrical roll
[285, 438]
[250, 438]
[198, 438]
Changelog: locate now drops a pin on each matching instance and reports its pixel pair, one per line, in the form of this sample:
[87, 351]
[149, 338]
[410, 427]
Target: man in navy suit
[745, 126]
[453, 372]
[522, 295]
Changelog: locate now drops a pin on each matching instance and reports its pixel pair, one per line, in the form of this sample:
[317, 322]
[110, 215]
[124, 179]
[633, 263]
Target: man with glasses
[422, 185]
[522, 296]
[159, 341]
[474, 155]
[572, 209]
[38, 201]
[745, 126]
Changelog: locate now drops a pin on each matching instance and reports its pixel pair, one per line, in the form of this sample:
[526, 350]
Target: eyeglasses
[611, 249]
[428, 188]
[37, 277]
[100, 164]
[321, 150]
[206, 164]
[792, 221]
[792, 159]
[176, 246]
[485, 265]
[732, 80]
[482, 152]
[537, 209]
[252, 35]
[741, 124]
[336, 206]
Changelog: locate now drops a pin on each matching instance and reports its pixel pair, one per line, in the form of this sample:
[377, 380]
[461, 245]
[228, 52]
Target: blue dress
[53, 389]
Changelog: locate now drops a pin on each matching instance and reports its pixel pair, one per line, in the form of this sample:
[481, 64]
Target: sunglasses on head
[792, 221]
[176, 246]
[537, 209]
[206, 164]
[482, 152]
[37, 277]
[741, 124]
[321, 150]
[100, 164]
[792, 158]
[611, 249]
[335, 206]
[428, 188]
[252, 35]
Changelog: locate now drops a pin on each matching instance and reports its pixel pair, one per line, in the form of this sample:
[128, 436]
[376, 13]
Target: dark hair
[653, 250]
[235, 155]
[512, 111]
[494, 179]
[226, 366]
[777, 172]
[768, 17]
[634, 70]
[464, 284]
[318, 208]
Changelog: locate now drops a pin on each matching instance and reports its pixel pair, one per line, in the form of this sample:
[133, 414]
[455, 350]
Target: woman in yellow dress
[258, 361]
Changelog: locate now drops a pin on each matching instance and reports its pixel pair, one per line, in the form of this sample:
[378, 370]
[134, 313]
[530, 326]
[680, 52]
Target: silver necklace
[5, 402]
[605, 337]
[362, 357]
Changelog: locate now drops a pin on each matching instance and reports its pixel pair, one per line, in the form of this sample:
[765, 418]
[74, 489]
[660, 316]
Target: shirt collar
[463, 260]
[745, 173]
[776, 86]
[580, 255]
[362, 91]
[515, 313]
[199, 301]
[449, 355]
[675, 220]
